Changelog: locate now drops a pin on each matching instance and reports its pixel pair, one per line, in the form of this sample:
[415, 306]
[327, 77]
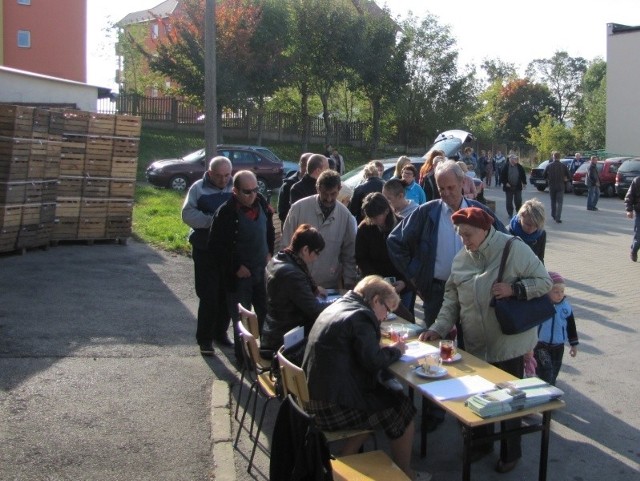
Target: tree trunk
[375, 124]
[304, 114]
[260, 119]
[324, 98]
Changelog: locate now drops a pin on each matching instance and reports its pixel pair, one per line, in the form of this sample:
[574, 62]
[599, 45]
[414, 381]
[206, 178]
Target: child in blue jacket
[554, 333]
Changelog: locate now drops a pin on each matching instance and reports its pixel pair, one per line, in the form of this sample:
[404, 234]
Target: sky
[515, 31]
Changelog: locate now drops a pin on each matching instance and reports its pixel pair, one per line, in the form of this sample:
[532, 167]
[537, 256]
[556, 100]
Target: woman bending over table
[467, 296]
[342, 361]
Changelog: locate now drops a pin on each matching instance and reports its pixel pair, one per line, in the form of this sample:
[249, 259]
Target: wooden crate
[118, 227]
[120, 208]
[70, 186]
[102, 124]
[72, 165]
[122, 188]
[12, 146]
[30, 214]
[56, 122]
[94, 187]
[97, 167]
[91, 228]
[16, 121]
[51, 168]
[47, 213]
[128, 126]
[126, 147]
[76, 122]
[65, 228]
[12, 192]
[93, 208]
[8, 237]
[28, 237]
[99, 148]
[68, 208]
[13, 169]
[124, 168]
[36, 167]
[49, 190]
[41, 121]
[10, 216]
[33, 192]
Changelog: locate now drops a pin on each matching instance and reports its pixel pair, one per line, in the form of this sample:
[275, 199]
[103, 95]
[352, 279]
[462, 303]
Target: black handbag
[514, 315]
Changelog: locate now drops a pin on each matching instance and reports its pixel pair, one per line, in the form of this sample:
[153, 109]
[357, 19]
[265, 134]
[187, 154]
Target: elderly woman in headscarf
[467, 297]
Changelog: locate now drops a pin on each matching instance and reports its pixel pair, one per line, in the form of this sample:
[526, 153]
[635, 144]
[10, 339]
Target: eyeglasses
[389, 311]
[249, 191]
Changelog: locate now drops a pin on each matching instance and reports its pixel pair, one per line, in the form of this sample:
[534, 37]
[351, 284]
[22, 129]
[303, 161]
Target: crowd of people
[389, 246]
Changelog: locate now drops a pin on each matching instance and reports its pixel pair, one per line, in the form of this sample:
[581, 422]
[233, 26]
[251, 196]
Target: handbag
[514, 315]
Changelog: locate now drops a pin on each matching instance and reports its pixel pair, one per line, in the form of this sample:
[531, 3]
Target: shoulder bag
[514, 315]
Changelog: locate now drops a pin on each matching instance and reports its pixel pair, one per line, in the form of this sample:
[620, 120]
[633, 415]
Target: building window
[24, 2]
[154, 30]
[24, 38]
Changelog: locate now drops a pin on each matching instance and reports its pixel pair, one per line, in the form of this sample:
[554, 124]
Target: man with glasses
[202, 201]
[242, 240]
[336, 265]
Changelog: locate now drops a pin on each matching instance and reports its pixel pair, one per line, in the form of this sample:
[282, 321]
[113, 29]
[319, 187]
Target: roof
[103, 92]
[161, 10]
[618, 28]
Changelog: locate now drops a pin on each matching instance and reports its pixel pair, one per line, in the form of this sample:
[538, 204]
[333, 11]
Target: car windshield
[542, 164]
[632, 165]
[584, 167]
[194, 156]
[450, 146]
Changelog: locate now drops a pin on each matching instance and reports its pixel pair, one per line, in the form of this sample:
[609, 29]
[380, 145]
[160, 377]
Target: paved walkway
[100, 378]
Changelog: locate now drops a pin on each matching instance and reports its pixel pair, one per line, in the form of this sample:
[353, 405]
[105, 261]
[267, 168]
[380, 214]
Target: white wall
[623, 92]
[20, 86]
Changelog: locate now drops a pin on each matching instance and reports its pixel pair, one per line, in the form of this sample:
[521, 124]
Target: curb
[221, 434]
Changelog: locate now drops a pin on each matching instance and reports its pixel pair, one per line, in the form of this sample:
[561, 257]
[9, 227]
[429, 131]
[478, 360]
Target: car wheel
[609, 191]
[262, 187]
[179, 183]
[540, 188]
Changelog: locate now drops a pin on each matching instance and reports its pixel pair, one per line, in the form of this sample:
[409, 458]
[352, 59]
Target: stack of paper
[512, 396]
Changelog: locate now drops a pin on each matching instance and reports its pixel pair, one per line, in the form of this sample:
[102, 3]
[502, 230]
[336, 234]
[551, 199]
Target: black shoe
[595, 208]
[558, 221]
[206, 349]
[503, 467]
[634, 256]
[223, 341]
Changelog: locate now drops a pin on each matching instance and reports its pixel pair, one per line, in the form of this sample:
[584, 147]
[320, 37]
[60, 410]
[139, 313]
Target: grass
[157, 212]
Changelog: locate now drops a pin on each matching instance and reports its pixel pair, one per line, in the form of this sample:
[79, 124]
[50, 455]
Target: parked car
[289, 168]
[607, 170]
[180, 173]
[536, 177]
[629, 170]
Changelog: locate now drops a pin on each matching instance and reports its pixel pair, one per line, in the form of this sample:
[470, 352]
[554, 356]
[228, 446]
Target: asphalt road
[100, 377]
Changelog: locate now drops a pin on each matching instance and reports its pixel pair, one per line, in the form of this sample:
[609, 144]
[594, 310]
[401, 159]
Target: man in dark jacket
[306, 187]
[632, 206]
[202, 201]
[242, 239]
[284, 196]
[513, 179]
[592, 180]
[557, 175]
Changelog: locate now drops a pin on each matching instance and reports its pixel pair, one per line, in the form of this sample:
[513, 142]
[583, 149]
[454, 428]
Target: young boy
[554, 333]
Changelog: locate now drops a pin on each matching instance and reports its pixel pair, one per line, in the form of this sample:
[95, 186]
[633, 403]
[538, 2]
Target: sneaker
[206, 349]
[634, 256]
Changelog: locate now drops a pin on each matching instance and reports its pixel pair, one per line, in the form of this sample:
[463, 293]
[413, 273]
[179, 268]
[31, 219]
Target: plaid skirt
[393, 420]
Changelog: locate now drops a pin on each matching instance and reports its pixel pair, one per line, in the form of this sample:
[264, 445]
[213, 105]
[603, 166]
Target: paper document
[459, 387]
[416, 350]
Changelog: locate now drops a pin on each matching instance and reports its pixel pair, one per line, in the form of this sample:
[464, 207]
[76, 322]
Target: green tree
[563, 75]
[548, 135]
[136, 76]
[498, 70]
[591, 111]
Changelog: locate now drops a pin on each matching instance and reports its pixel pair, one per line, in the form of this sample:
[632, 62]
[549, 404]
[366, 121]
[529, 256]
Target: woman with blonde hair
[528, 224]
[468, 186]
[372, 183]
[402, 161]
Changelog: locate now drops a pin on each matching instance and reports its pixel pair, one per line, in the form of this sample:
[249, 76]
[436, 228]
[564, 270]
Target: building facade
[47, 37]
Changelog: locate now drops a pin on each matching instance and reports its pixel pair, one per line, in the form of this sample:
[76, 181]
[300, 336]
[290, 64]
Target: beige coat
[468, 294]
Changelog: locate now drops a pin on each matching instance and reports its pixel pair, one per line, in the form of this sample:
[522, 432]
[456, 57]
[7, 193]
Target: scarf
[516, 229]
[302, 265]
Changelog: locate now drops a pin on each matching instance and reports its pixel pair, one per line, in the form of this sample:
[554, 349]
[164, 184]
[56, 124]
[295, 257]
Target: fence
[169, 112]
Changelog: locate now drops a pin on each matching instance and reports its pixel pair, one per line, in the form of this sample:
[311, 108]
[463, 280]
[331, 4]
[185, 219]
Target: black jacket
[305, 187]
[290, 301]
[504, 177]
[372, 184]
[284, 196]
[223, 237]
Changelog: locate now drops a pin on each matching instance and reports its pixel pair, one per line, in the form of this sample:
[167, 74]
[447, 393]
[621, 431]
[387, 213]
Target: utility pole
[210, 96]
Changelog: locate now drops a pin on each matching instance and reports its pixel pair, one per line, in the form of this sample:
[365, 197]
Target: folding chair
[294, 381]
[250, 322]
[262, 384]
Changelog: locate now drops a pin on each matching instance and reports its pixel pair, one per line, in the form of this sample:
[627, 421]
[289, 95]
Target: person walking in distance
[592, 180]
[557, 176]
[513, 179]
[202, 201]
[632, 206]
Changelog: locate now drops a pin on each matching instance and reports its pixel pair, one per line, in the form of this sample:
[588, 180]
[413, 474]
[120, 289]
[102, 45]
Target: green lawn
[156, 212]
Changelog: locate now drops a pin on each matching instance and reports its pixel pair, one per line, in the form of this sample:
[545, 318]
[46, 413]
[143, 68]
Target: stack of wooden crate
[65, 175]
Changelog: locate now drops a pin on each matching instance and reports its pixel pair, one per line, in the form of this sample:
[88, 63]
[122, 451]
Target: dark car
[536, 177]
[629, 170]
[180, 173]
[607, 170]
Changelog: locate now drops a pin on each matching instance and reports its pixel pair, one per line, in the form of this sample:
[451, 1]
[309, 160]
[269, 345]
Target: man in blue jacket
[424, 244]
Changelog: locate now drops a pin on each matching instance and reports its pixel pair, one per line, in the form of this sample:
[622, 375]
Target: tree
[550, 134]
[563, 75]
[497, 70]
[591, 111]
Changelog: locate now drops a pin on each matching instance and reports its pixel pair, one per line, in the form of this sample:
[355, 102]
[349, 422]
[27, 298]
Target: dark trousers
[514, 198]
[635, 244]
[510, 448]
[549, 361]
[556, 195]
[249, 291]
[213, 317]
